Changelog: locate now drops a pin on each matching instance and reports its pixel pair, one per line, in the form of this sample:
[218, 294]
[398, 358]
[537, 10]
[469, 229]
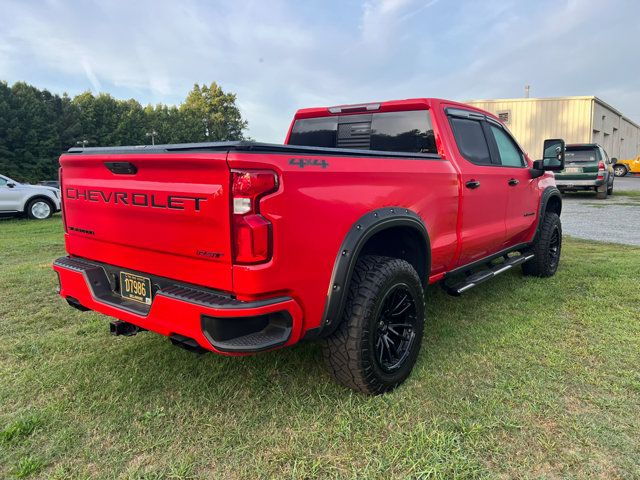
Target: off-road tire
[350, 352]
[610, 190]
[545, 262]
[29, 210]
[601, 192]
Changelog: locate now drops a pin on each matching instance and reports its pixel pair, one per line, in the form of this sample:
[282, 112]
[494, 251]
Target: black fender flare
[547, 194]
[355, 239]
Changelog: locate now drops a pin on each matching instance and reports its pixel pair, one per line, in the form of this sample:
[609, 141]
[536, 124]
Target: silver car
[35, 201]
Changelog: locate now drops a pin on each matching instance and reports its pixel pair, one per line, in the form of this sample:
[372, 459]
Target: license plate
[135, 287]
[573, 170]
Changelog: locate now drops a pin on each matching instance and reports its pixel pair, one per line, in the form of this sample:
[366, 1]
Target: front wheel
[377, 343]
[546, 248]
[39, 209]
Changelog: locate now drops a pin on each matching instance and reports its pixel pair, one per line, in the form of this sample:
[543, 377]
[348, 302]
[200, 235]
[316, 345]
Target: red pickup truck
[242, 247]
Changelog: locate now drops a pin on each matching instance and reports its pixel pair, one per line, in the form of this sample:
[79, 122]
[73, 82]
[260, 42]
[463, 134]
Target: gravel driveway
[616, 219]
[627, 183]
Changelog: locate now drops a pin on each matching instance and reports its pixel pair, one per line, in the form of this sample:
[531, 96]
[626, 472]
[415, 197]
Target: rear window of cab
[408, 131]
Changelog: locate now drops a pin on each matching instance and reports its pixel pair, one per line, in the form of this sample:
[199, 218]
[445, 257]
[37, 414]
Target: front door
[522, 197]
[9, 197]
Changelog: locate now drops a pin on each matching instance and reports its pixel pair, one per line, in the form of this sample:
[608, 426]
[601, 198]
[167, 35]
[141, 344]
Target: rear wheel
[39, 209]
[619, 170]
[610, 190]
[601, 192]
[378, 340]
[546, 247]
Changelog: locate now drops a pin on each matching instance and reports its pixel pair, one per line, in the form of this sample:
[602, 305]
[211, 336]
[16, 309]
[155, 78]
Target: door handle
[472, 184]
[513, 182]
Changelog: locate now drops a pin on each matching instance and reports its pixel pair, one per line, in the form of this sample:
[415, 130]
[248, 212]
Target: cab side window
[3, 182]
[510, 155]
[471, 140]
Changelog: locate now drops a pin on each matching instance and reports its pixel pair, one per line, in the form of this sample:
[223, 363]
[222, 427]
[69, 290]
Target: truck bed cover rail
[249, 147]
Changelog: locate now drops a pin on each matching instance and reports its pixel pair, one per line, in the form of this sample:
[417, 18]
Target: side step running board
[477, 278]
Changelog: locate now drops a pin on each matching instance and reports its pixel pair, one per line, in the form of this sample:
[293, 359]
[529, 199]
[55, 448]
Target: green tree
[210, 114]
[36, 126]
[167, 122]
[7, 155]
[30, 136]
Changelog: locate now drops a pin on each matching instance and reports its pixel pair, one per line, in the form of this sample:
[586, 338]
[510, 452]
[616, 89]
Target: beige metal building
[575, 119]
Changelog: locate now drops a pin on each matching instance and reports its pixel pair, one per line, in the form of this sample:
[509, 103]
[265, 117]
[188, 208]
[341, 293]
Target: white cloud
[382, 19]
[95, 83]
[282, 55]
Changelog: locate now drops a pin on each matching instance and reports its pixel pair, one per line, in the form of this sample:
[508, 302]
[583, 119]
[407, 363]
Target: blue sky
[280, 55]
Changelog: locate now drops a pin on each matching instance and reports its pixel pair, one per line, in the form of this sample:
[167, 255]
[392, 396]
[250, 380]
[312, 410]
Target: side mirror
[614, 160]
[553, 155]
[11, 184]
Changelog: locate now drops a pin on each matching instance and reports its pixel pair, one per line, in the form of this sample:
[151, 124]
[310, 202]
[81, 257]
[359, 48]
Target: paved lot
[616, 219]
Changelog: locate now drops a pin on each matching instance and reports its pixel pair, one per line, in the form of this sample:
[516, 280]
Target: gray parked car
[35, 201]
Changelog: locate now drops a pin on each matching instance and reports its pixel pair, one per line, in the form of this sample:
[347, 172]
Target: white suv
[36, 201]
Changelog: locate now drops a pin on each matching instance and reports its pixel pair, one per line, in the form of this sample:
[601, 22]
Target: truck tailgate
[166, 214]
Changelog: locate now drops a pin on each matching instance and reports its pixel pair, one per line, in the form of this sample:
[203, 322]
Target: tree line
[36, 126]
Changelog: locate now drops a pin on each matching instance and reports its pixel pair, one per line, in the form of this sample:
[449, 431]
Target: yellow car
[622, 167]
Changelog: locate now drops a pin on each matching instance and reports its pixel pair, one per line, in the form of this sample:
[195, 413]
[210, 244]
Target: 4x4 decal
[309, 162]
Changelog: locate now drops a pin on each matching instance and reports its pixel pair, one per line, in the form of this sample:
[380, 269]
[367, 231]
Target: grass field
[627, 193]
[519, 378]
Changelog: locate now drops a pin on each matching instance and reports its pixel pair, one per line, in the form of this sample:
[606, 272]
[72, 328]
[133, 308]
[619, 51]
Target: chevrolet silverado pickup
[243, 247]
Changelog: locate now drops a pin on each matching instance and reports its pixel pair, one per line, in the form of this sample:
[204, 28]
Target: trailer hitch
[120, 327]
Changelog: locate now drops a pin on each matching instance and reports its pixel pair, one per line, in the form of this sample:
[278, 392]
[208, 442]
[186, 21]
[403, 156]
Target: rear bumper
[216, 321]
[568, 184]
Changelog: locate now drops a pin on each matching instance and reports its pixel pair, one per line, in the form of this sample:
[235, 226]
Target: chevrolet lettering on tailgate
[136, 199]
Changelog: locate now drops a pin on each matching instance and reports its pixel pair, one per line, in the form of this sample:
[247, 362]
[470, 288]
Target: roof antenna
[526, 91]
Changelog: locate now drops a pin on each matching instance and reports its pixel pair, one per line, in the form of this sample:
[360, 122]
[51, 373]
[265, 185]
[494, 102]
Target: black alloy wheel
[395, 332]
[554, 248]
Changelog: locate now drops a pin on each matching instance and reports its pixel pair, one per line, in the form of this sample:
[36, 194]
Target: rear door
[484, 188]
[165, 214]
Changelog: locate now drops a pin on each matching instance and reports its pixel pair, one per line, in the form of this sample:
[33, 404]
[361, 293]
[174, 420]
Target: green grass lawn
[519, 378]
[627, 193]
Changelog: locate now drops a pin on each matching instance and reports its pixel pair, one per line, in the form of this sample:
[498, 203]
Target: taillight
[600, 170]
[601, 166]
[64, 221]
[251, 231]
